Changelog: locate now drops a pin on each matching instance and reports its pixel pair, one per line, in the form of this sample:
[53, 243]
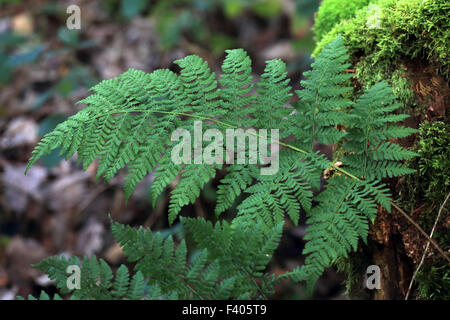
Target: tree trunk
[388, 253]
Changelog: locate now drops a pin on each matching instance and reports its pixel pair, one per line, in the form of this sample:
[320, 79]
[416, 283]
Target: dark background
[45, 68]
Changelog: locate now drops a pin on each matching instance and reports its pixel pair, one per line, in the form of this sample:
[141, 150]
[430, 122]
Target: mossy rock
[422, 194]
[405, 42]
[396, 41]
[432, 182]
[395, 29]
[331, 12]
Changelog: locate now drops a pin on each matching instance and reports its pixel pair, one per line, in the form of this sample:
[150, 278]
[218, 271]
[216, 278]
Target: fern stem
[426, 247]
[199, 117]
[226, 125]
[346, 172]
[314, 113]
[195, 292]
[252, 279]
[421, 231]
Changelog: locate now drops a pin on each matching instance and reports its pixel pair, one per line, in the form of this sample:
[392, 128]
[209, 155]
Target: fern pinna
[128, 122]
[163, 270]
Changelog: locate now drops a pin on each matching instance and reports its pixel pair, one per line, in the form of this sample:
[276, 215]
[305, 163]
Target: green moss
[403, 29]
[384, 35]
[431, 184]
[427, 190]
[368, 73]
[401, 86]
[434, 282]
[331, 12]
[434, 161]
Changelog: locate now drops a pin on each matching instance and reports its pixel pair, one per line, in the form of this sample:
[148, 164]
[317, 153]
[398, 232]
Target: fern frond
[128, 123]
[200, 85]
[121, 282]
[285, 192]
[337, 223]
[137, 287]
[243, 252]
[193, 179]
[273, 94]
[369, 155]
[42, 296]
[96, 279]
[324, 91]
[167, 267]
[236, 81]
[238, 178]
[335, 226]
